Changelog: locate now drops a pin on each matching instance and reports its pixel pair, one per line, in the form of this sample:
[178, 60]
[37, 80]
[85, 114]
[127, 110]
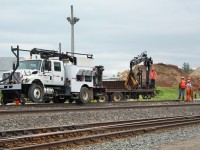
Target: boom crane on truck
[131, 81]
[132, 87]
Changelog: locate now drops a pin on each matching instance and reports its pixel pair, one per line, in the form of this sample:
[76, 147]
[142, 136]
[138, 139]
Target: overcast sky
[114, 31]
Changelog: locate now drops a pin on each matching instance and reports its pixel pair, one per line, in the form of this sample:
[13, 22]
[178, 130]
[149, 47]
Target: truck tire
[117, 96]
[35, 93]
[103, 98]
[84, 96]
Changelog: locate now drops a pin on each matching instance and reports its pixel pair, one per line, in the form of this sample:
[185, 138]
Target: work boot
[183, 98]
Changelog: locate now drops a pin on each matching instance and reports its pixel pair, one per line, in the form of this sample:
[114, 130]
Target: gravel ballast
[11, 122]
[150, 141]
[146, 141]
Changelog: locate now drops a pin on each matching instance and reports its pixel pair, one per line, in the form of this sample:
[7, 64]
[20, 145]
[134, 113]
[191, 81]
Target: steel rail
[47, 140]
[29, 131]
[91, 103]
[16, 112]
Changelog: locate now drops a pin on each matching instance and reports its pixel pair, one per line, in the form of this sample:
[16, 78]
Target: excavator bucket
[131, 82]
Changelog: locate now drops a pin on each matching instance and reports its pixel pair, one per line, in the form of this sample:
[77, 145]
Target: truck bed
[114, 84]
[118, 86]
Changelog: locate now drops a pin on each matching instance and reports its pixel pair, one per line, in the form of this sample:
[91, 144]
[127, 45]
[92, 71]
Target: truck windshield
[30, 64]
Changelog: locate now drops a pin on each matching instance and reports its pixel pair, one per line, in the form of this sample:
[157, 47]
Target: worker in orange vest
[188, 90]
[182, 86]
[192, 88]
[153, 76]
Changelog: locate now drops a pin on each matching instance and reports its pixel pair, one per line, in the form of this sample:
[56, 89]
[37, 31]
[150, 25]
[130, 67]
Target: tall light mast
[72, 20]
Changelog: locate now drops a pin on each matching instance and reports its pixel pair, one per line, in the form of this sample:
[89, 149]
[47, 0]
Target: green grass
[167, 93]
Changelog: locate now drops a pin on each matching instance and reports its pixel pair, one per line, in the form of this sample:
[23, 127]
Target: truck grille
[15, 77]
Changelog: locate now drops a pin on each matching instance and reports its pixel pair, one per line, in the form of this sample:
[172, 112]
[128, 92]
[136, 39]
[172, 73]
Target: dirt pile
[195, 75]
[167, 75]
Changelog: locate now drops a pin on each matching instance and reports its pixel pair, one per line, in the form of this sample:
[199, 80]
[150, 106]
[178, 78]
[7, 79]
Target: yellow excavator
[131, 81]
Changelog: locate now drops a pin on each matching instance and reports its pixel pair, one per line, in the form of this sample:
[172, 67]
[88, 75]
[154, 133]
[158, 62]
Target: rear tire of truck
[117, 97]
[103, 98]
[84, 96]
[35, 93]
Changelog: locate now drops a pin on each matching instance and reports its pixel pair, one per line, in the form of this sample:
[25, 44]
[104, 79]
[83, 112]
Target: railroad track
[88, 104]
[94, 108]
[72, 136]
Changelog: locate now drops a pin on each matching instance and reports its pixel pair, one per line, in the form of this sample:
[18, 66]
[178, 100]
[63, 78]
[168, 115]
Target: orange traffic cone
[17, 101]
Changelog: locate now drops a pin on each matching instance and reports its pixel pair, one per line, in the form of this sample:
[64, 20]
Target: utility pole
[72, 20]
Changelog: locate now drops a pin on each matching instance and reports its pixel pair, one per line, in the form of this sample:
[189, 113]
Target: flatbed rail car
[116, 91]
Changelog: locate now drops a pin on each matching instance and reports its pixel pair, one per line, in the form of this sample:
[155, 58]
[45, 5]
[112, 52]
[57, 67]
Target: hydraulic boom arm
[131, 81]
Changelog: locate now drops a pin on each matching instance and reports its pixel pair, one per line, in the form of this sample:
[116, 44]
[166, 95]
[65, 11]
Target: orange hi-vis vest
[153, 75]
[182, 84]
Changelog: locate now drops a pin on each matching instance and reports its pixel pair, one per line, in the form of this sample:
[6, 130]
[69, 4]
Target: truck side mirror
[14, 67]
[49, 66]
[46, 65]
[43, 66]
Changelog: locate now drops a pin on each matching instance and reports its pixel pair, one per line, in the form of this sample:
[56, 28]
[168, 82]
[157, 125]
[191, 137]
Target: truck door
[58, 73]
[46, 72]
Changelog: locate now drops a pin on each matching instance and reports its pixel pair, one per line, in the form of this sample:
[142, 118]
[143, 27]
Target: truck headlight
[25, 80]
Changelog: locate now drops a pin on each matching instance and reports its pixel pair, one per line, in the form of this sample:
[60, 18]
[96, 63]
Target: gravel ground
[150, 141]
[146, 141]
[8, 122]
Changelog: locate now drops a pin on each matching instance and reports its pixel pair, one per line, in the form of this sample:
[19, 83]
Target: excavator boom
[131, 81]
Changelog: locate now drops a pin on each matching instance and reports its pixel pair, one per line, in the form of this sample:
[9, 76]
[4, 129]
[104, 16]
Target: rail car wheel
[35, 93]
[135, 96]
[62, 100]
[47, 100]
[71, 100]
[144, 95]
[23, 99]
[149, 95]
[117, 97]
[84, 96]
[56, 99]
[103, 98]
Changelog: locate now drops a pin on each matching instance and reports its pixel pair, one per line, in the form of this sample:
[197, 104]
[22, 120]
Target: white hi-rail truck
[52, 76]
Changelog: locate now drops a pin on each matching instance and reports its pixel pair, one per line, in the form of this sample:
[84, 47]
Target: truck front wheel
[35, 93]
